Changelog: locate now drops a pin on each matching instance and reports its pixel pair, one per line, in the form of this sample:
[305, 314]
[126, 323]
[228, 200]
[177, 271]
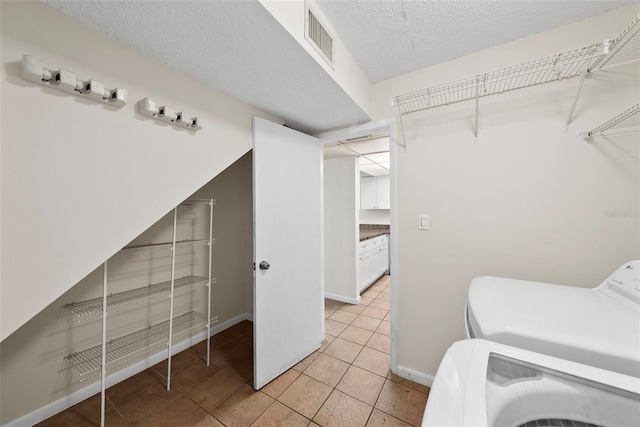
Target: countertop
[369, 231]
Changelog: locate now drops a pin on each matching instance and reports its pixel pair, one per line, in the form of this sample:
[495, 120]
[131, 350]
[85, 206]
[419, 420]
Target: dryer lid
[578, 324]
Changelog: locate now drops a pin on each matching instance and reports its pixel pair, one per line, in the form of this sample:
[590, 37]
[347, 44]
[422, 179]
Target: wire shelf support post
[103, 370]
[212, 202]
[173, 278]
[583, 74]
[404, 141]
[475, 130]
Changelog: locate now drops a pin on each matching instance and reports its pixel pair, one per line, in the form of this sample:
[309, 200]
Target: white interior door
[288, 249]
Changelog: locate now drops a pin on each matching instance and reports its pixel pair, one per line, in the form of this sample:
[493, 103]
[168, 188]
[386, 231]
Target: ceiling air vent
[319, 38]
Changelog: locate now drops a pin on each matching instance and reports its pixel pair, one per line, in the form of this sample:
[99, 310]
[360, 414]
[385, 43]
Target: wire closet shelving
[561, 66]
[121, 301]
[88, 362]
[629, 112]
[152, 247]
[98, 359]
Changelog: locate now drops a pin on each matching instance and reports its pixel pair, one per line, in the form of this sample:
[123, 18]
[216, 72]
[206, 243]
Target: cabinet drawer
[364, 247]
[379, 241]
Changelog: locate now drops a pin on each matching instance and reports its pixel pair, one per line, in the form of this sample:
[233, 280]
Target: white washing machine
[482, 383]
[598, 326]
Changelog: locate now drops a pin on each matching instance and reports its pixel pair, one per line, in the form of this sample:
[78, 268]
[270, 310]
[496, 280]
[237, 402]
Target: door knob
[264, 265]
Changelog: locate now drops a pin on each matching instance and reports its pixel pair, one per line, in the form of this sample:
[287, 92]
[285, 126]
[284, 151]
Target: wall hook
[33, 70]
[148, 108]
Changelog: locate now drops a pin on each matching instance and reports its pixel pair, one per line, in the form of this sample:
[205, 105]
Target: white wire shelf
[120, 350]
[614, 121]
[561, 66]
[151, 247]
[117, 302]
[190, 202]
[625, 48]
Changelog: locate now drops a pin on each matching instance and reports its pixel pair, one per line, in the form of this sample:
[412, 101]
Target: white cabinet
[364, 271]
[375, 192]
[373, 260]
[368, 192]
[383, 192]
[378, 264]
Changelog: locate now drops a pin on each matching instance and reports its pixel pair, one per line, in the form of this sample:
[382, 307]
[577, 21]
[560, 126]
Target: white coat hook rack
[33, 70]
[148, 108]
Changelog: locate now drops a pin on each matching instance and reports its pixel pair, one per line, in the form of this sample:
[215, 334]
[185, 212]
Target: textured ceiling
[239, 48]
[234, 46]
[393, 37]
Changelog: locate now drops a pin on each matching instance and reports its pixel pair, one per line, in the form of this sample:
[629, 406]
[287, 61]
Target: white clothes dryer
[596, 326]
[482, 383]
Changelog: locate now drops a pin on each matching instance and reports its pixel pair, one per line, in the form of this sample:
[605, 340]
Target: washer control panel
[626, 281]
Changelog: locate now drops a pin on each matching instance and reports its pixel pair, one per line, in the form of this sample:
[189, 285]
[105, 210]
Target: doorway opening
[361, 310]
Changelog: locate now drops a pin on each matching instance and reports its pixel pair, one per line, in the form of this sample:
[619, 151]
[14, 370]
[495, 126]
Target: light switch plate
[423, 221]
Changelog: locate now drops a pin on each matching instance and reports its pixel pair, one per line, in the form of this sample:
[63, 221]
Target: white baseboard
[78, 396]
[342, 298]
[415, 376]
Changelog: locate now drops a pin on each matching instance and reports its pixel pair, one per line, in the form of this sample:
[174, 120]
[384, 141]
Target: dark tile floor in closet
[346, 382]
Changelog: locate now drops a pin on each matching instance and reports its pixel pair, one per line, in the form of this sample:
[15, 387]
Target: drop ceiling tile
[379, 157]
[365, 161]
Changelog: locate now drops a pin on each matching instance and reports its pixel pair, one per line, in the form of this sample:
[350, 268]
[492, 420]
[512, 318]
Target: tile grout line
[115, 408]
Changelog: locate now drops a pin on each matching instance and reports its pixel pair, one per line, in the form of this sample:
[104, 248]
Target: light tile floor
[346, 382]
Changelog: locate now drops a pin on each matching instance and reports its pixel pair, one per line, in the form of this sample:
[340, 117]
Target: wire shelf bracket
[629, 112]
[623, 49]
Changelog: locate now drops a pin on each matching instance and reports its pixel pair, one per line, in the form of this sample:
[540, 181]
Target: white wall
[79, 179]
[346, 71]
[31, 359]
[233, 228]
[375, 216]
[341, 231]
[529, 200]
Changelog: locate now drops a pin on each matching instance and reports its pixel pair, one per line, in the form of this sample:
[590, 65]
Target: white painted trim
[355, 131]
[394, 244]
[342, 298]
[322, 261]
[388, 125]
[415, 376]
[78, 396]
